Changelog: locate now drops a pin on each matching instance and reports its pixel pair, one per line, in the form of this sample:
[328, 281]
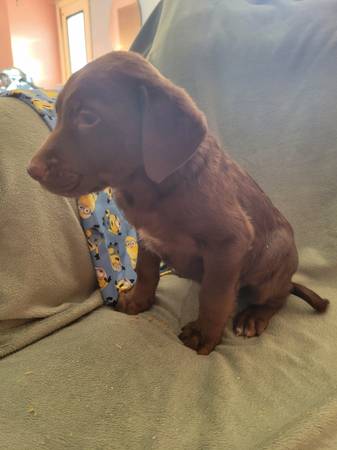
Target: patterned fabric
[111, 240]
[42, 101]
[112, 243]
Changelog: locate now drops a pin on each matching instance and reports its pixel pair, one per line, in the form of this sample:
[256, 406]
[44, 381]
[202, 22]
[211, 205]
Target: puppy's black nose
[37, 170]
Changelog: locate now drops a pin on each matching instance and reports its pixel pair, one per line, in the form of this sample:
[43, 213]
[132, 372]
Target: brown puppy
[122, 124]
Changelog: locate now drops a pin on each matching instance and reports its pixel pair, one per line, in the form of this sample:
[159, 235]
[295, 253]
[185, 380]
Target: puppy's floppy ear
[172, 129]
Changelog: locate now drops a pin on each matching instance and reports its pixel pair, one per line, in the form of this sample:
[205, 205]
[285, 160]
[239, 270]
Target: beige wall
[33, 39]
[117, 43]
[6, 58]
[104, 23]
[100, 12]
[29, 40]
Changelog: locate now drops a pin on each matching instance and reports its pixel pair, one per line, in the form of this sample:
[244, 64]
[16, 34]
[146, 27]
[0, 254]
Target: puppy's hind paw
[253, 320]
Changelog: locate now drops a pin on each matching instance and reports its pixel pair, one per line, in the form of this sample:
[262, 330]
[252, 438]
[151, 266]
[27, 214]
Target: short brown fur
[122, 124]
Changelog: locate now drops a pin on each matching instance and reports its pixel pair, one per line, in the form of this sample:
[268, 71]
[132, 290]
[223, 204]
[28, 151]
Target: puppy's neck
[136, 192]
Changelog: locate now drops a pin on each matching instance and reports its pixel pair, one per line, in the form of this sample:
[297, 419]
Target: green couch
[78, 375]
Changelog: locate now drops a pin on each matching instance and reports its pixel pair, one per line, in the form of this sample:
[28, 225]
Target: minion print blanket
[41, 100]
[111, 240]
[112, 243]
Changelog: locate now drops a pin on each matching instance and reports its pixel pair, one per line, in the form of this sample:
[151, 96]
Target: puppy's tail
[318, 303]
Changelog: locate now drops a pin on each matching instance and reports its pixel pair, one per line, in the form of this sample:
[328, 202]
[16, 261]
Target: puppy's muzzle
[54, 178]
[37, 171]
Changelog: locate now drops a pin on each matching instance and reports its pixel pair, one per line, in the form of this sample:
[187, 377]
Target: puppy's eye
[87, 118]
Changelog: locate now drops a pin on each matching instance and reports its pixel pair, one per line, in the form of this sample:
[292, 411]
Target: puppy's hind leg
[253, 320]
[270, 284]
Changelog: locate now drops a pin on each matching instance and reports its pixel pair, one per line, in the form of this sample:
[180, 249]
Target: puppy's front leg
[141, 297]
[217, 298]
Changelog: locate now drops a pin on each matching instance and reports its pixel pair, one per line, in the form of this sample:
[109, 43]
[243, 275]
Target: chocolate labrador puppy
[122, 124]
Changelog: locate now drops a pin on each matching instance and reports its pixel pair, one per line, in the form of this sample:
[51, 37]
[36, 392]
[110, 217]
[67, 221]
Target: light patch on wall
[125, 23]
[129, 24]
[76, 41]
[24, 57]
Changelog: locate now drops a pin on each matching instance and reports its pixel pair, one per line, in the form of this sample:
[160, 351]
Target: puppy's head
[116, 115]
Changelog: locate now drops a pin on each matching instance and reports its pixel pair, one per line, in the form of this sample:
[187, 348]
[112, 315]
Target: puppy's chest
[164, 229]
[166, 239]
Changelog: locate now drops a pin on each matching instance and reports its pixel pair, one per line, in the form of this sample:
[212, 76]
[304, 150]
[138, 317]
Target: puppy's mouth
[65, 182]
[78, 185]
[66, 189]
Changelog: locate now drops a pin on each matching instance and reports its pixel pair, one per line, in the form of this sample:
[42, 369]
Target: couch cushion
[45, 267]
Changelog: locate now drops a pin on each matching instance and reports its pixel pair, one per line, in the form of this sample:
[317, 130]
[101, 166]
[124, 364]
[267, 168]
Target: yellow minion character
[132, 249]
[115, 258]
[108, 192]
[22, 91]
[93, 239]
[42, 104]
[124, 285]
[87, 205]
[114, 225]
[50, 93]
[102, 278]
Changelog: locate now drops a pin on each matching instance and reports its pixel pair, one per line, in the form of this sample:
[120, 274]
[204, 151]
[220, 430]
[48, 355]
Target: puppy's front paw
[131, 303]
[202, 341]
